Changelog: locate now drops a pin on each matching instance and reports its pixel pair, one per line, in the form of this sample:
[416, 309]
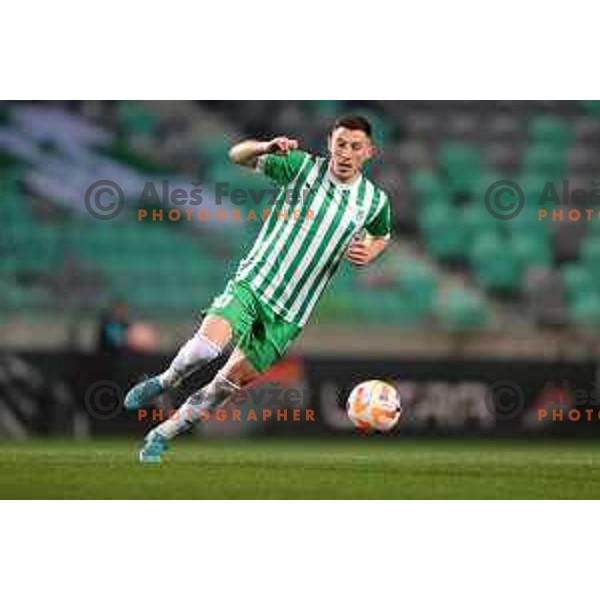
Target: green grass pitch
[302, 468]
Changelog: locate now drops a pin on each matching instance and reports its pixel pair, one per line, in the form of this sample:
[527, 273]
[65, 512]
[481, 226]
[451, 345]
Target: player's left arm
[364, 251]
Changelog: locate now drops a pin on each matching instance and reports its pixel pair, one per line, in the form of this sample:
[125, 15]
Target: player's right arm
[248, 153]
[279, 159]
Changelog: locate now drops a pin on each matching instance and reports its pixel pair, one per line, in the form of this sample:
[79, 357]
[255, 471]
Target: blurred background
[462, 302]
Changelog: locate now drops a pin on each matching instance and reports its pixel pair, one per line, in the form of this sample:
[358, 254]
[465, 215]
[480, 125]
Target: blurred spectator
[113, 328]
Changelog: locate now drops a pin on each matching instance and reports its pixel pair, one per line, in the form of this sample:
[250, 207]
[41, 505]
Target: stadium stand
[452, 265]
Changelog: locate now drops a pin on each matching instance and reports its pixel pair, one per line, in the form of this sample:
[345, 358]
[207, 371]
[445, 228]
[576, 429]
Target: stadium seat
[462, 167]
[445, 234]
[427, 183]
[477, 219]
[585, 311]
[336, 307]
[550, 132]
[418, 283]
[459, 310]
[532, 250]
[578, 280]
[544, 161]
[496, 266]
[590, 253]
[592, 106]
[135, 118]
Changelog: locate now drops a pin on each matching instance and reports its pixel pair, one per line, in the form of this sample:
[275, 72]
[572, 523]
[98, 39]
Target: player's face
[349, 149]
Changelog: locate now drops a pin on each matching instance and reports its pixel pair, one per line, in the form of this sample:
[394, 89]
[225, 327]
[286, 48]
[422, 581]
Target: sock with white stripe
[194, 354]
[212, 396]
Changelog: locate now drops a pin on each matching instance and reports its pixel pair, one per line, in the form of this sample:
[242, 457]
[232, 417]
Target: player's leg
[204, 347]
[237, 373]
[262, 338]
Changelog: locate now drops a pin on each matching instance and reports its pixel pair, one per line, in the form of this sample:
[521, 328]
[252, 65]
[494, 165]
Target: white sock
[194, 354]
[214, 395]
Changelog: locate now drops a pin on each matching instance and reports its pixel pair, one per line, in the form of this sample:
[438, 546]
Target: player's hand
[358, 253]
[280, 145]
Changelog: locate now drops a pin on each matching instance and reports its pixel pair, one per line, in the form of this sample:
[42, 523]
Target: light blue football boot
[143, 393]
[154, 445]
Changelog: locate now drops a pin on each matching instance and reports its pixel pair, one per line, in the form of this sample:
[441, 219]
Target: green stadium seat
[338, 307]
[550, 132]
[592, 106]
[426, 201]
[432, 216]
[135, 118]
[419, 283]
[458, 310]
[496, 266]
[590, 253]
[544, 161]
[477, 219]
[426, 182]
[13, 297]
[213, 152]
[8, 267]
[462, 166]
[578, 279]
[326, 107]
[532, 250]
[445, 234]
[585, 310]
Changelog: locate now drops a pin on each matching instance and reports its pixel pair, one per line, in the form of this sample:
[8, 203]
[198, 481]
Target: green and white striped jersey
[293, 259]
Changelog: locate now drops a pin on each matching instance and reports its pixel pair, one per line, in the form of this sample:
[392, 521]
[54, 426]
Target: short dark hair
[354, 122]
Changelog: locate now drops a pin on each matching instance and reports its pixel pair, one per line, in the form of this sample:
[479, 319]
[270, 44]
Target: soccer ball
[374, 405]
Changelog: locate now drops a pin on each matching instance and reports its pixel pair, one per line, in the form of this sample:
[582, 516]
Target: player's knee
[216, 329]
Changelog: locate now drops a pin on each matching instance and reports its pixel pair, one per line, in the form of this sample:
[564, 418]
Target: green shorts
[261, 334]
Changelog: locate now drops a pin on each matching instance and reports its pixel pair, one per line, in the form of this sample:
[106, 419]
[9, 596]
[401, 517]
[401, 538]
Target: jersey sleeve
[281, 168]
[381, 223]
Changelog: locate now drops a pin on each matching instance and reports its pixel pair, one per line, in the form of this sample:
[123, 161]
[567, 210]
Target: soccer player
[277, 285]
